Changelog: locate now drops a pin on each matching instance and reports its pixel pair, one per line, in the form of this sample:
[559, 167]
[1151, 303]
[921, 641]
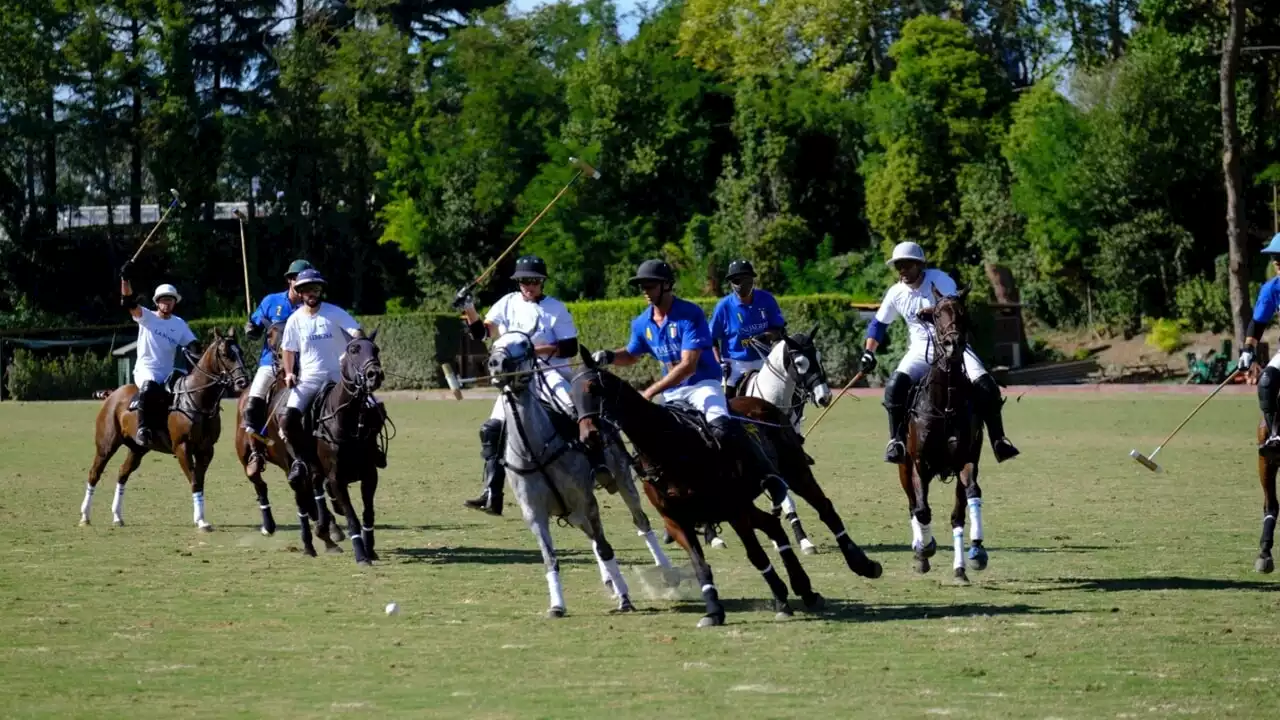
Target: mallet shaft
[834, 400]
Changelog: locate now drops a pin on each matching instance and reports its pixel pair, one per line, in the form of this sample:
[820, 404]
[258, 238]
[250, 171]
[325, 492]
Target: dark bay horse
[944, 439]
[351, 435]
[692, 483]
[254, 454]
[194, 425]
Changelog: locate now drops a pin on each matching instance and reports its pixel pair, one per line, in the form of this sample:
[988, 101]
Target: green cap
[296, 267]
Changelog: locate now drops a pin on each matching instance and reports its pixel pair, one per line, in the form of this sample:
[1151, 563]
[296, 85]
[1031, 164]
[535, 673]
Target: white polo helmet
[166, 290]
[906, 251]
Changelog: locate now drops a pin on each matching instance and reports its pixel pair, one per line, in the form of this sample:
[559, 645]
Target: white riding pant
[141, 375]
[1274, 362]
[263, 378]
[300, 396]
[916, 362]
[707, 396]
[549, 386]
[738, 368]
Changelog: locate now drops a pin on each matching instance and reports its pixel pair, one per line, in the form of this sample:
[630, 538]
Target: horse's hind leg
[760, 561]
[368, 488]
[540, 526]
[977, 557]
[1270, 508]
[631, 497]
[264, 504]
[194, 464]
[102, 455]
[131, 462]
[772, 528]
[957, 524]
[688, 539]
[806, 487]
[338, 487]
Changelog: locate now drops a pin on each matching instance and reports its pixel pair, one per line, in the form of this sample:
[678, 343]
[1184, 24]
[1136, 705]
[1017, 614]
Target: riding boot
[733, 437]
[896, 396]
[147, 415]
[1268, 387]
[989, 405]
[296, 440]
[254, 417]
[495, 476]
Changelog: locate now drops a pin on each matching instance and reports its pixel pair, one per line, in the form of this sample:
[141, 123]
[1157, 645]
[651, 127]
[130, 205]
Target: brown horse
[1268, 464]
[254, 454]
[194, 424]
[692, 483]
[944, 438]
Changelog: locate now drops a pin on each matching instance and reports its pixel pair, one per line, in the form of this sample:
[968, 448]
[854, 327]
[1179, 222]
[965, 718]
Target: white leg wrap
[975, 518]
[117, 505]
[788, 505]
[957, 540]
[655, 549]
[553, 586]
[615, 574]
[197, 502]
[917, 535]
[87, 505]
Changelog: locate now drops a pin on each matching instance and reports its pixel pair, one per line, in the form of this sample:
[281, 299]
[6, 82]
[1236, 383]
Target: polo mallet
[583, 169]
[834, 400]
[1149, 461]
[244, 262]
[455, 383]
[168, 210]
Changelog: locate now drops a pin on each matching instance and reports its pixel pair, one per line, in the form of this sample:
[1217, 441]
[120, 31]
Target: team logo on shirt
[648, 334]
[673, 332]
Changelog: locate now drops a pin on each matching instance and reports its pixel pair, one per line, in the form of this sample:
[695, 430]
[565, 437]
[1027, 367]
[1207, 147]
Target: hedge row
[414, 345]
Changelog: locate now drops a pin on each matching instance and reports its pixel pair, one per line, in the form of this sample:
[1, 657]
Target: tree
[1231, 174]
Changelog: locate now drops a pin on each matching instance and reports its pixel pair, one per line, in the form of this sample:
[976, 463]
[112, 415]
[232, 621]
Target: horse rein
[222, 380]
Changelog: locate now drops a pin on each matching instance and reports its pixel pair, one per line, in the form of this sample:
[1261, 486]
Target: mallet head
[1144, 461]
[451, 379]
[586, 169]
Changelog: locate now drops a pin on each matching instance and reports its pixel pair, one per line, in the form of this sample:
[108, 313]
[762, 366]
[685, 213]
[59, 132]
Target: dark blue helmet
[530, 266]
[653, 271]
[310, 276]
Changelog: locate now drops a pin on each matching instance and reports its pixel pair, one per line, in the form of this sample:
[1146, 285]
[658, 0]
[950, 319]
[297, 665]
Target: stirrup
[1004, 450]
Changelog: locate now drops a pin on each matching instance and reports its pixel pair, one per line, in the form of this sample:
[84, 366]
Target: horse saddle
[313, 415]
[691, 417]
[170, 387]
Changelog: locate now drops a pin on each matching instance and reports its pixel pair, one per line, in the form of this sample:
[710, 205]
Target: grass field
[1112, 592]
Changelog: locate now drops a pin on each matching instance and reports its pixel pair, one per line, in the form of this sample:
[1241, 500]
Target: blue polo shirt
[685, 328]
[1268, 302]
[274, 308]
[734, 322]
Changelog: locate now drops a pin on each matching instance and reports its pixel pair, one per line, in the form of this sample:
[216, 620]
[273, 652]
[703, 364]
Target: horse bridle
[222, 380]
[804, 389]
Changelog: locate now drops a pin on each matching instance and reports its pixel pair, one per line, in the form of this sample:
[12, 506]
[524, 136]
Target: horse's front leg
[793, 518]
[540, 526]
[917, 489]
[253, 471]
[631, 497]
[368, 488]
[688, 539]
[338, 482]
[967, 479]
[807, 487]
[192, 467]
[772, 528]
[977, 557]
[746, 531]
[303, 496]
[1270, 508]
[609, 570]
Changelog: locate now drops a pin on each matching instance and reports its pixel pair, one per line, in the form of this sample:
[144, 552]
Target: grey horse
[551, 476]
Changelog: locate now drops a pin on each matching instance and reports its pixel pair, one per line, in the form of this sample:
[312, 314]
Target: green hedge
[65, 377]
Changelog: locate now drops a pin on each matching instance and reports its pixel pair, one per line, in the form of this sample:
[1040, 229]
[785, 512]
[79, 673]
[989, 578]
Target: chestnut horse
[690, 482]
[254, 454]
[194, 425]
[944, 438]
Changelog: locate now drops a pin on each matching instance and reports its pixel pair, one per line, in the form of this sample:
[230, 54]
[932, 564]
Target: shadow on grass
[293, 527]
[1171, 582]
[993, 549]
[842, 611]
[463, 555]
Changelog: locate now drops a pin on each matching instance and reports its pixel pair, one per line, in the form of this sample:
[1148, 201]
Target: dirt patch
[1114, 354]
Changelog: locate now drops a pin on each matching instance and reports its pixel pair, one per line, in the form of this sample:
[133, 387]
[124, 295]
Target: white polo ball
[392, 608]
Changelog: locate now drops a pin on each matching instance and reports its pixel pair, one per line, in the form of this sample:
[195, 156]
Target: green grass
[1112, 592]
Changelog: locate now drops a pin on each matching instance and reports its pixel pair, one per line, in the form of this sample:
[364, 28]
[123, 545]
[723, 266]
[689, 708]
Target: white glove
[603, 357]
[1246, 360]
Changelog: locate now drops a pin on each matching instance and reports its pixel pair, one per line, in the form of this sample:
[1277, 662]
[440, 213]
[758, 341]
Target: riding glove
[603, 357]
[1246, 359]
[868, 361]
[252, 331]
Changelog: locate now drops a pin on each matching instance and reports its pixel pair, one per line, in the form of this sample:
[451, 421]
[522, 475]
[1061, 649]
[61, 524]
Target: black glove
[193, 350]
[251, 331]
[126, 271]
[868, 361]
[462, 299]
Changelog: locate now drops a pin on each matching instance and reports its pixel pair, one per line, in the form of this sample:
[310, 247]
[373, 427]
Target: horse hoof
[555, 612]
[625, 606]
[309, 552]
[711, 621]
[333, 549]
[961, 577]
[84, 521]
[921, 564]
[783, 616]
[373, 556]
[336, 534]
[977, 558]
[1264, 564]
[931, 549]
[266, 533]
[873, 570]
[206, 528]
[364, 563]
[808, 548]
[814, 602]
[717, 543]
[117, 523]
